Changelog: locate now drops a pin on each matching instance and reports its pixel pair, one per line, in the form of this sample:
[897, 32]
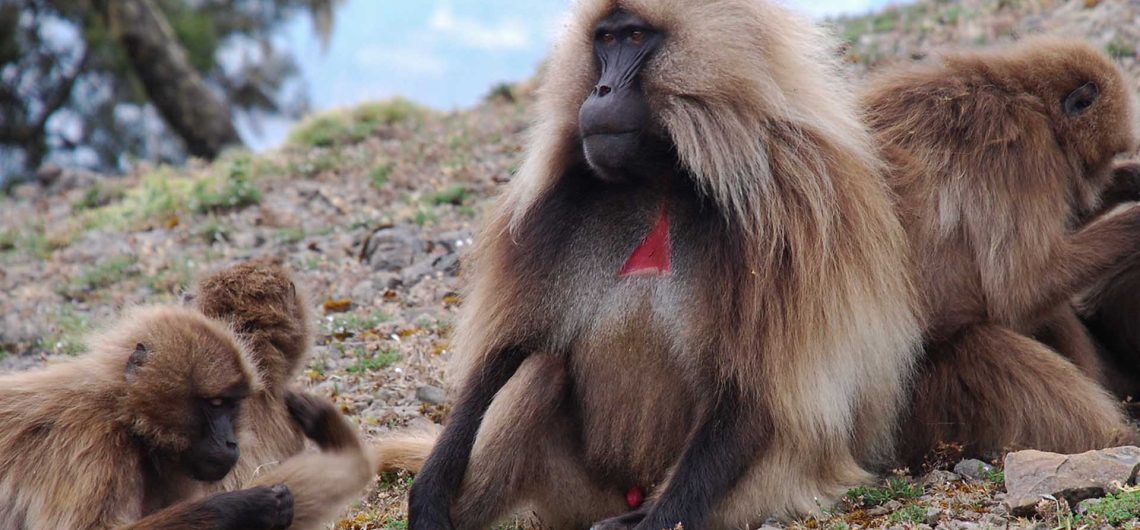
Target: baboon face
[214, 451]
[186, 378]
[616, 121]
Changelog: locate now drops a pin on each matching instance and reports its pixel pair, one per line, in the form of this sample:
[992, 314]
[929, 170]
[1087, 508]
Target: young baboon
[693, 300]
[127, 435]
[995, 158]
[272, 316]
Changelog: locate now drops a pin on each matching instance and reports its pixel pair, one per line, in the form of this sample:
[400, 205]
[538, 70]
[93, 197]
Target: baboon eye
[1082, 99]
[608, 38]
[637, 36]
[216, 402]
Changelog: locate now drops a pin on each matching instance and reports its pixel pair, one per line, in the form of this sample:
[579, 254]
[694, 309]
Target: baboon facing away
[995, 158]
[127, 435]
[694, 290]
[272, 316]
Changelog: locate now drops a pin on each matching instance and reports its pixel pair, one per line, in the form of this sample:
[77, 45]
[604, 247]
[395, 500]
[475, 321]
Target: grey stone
[973, 469]
[364, 292]
[933, 515]
[939, 477]
[448, 264]
[392, 248]
[430, 394]
[1030, 475]
[416, 271]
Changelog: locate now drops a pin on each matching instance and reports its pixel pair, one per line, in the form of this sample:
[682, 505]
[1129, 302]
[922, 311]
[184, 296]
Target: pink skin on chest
[652, 256]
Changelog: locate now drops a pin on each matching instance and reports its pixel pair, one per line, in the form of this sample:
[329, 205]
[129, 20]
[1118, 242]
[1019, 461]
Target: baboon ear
[137, 359]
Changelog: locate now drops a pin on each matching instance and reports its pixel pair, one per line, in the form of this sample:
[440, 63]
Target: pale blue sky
[445, 54]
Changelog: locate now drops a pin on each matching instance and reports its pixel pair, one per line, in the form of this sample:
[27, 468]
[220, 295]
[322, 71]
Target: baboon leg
[524, 457]
[992, 389]
[1067, 335]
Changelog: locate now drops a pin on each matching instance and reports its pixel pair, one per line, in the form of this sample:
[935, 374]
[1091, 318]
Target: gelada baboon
[995, 157]
[271, 314]
[127, 435]
[693, 300]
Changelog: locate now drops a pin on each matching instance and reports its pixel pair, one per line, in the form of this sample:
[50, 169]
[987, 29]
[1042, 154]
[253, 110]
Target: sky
[446, 54]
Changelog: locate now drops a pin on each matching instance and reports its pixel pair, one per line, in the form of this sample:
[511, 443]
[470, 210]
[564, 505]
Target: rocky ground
[374, 208]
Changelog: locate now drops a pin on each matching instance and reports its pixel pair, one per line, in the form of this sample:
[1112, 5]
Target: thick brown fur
[79, 440]
[992, 178]
[789, 285]
[325, 482]
[272, 315]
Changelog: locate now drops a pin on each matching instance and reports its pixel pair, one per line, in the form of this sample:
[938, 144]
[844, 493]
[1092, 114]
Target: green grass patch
[165, 193]
[1119, 48]
[213, 231]
[456, 195]
[886, 21]
[1114, 510]
[98, 195]
[381, 175]
[894, 489]
[345, 324]
[68, 332]
[290, 235]
[234, 190]
[104, 274]
[913, 514]
[352, 126]
[366, 362]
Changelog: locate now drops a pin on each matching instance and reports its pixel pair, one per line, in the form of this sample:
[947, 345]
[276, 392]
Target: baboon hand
[267, 507]
[310, 412]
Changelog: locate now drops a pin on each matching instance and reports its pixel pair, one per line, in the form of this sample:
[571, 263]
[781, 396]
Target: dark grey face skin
[216, 451]
[615, 119]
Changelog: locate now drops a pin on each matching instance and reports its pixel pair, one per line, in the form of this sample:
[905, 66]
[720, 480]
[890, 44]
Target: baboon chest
[632, 333]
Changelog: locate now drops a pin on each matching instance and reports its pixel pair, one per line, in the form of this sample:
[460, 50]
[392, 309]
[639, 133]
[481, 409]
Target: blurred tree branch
[172, 84]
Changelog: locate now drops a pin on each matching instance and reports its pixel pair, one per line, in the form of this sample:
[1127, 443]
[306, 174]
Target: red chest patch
[652, 256]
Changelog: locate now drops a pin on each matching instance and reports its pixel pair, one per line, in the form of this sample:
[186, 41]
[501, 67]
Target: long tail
[404, 450]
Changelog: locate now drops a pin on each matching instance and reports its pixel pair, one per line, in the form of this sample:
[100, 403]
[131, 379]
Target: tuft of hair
[406, 450]
[261, 299]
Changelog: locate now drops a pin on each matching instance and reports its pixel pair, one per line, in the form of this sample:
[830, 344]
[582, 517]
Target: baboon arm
[1080, 261]
[235, 510]
[429, 501]
[719, 452]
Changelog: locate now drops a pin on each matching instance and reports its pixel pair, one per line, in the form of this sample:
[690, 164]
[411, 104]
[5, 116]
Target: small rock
[431, 395]
[939, 477]
[889, 507]
[1030, 475]
[448, 264]
[973, 469]
[364, 292]
[392, 248]
[1084, 506]
[933, 515]
[421, 268]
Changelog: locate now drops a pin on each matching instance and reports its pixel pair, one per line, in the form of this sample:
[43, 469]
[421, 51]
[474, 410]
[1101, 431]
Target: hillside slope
[374, 206]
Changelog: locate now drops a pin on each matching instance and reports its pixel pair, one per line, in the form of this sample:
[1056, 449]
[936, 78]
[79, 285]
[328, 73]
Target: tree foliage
[70, 95]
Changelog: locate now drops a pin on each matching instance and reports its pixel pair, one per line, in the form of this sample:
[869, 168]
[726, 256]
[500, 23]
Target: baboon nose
[231, 445]
[602, 90]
